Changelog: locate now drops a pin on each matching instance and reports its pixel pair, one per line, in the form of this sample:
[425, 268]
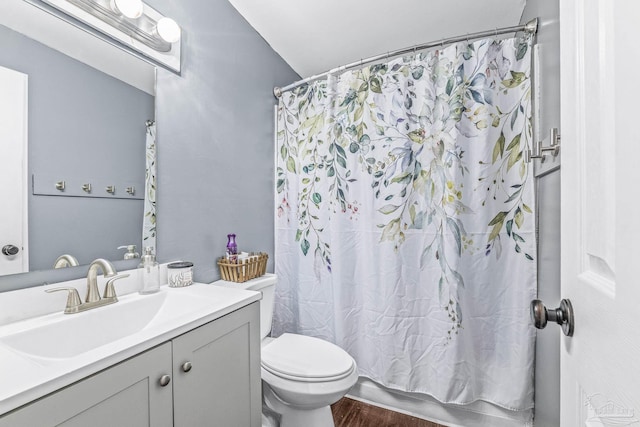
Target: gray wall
[215, 137]
[547, 377]
[84, 126]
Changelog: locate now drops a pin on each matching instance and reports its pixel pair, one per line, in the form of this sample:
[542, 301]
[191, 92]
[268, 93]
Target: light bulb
[130, 8]
[168, 30]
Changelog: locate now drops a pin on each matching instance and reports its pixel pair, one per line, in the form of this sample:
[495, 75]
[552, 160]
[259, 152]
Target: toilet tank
[267, 286]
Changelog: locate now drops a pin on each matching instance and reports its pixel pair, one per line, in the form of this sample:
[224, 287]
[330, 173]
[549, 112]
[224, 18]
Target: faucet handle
[73, 299]
[109, 289]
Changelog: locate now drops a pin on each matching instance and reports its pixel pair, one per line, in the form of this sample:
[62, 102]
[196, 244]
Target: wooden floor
[352, 413]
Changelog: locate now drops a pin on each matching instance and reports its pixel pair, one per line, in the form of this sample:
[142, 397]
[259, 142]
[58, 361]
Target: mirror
[85, 127]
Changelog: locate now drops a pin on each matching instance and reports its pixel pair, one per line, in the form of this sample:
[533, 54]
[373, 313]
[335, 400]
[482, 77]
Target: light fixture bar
[142, 29]
[151, 35]
[130, 8]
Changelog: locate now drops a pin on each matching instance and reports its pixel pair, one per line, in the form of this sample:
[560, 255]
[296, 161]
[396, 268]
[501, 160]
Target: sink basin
[60, 336]
[43, 350]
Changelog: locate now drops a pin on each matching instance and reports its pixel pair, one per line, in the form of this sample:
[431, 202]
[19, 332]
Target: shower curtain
[149, 219]
[405, 225]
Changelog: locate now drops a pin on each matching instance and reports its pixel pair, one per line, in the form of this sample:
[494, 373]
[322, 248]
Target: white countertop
[24, 378]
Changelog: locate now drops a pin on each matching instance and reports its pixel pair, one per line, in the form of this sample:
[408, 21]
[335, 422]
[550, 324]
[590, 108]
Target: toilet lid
[298, 356]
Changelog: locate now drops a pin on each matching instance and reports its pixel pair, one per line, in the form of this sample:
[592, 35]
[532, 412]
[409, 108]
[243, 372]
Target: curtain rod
[530, 27]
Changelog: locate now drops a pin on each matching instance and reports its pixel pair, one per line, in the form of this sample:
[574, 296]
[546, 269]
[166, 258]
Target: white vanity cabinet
[214, 380]
[127, 394]
[216, 373]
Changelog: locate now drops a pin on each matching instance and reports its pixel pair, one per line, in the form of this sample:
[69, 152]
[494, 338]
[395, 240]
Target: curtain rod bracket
[277, 92]
[531, 27]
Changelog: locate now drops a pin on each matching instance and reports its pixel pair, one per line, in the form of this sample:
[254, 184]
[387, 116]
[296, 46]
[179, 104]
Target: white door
[600, 364]
[13, 172]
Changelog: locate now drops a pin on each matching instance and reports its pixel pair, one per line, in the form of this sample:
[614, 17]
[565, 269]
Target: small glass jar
[180, 274]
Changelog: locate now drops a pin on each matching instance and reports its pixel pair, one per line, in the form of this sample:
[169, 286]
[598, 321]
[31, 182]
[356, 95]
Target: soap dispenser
[131, 251]
[149, 272]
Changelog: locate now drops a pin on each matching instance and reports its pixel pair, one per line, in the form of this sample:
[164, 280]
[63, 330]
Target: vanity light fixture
[130, 8]
[128, 16]
[168, 30]
[132, 23]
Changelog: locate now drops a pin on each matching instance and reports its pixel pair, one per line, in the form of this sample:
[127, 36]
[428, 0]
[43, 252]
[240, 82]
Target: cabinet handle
[165, 380]
[186, 366]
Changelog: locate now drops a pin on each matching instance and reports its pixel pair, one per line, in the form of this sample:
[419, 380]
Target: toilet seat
[306, 359]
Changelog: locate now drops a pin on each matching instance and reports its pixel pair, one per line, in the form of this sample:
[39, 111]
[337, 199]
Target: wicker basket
[243, 270]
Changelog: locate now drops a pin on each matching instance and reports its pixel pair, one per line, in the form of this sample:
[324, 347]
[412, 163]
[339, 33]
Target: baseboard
[478, 414]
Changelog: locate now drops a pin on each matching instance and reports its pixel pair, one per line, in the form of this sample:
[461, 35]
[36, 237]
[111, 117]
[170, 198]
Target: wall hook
[86, 188]
[131, 190]
[538, 151]
[111, 189]
[60, 185]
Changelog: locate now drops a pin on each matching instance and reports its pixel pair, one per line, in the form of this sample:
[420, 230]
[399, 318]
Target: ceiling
[316, 36]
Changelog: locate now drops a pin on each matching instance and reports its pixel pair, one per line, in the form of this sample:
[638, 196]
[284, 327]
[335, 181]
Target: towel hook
[538, 151]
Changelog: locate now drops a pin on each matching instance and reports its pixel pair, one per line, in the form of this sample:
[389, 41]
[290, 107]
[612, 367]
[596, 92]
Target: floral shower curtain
[405, 226]
[149, 220]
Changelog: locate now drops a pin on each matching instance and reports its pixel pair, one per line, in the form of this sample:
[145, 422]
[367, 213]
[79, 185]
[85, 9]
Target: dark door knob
[562, 315]
[10, 250]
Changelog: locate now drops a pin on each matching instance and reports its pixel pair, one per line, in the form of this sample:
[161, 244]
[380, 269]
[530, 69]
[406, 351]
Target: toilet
[301, 375]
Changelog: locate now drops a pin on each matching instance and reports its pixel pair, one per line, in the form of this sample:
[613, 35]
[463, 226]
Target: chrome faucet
[93, 300]
[93, 295]
[66, 260]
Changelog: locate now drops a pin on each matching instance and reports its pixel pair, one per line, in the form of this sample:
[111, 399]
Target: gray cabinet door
[221, 386]
[125, 395]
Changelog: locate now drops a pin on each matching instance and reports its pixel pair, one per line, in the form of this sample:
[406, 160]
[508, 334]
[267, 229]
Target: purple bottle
[232, 247]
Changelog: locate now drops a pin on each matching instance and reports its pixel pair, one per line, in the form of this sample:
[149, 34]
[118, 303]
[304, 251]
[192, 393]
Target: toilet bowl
[301, 375]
